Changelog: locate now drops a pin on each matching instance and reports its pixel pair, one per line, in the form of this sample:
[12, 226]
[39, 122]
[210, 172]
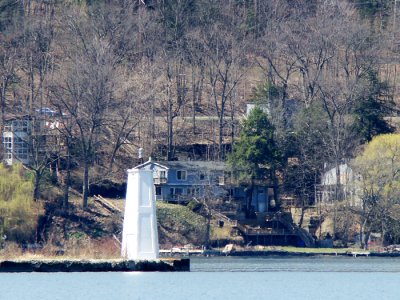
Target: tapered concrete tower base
[139, 235]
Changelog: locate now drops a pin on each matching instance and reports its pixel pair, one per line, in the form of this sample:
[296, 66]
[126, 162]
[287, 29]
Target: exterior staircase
[283, 232]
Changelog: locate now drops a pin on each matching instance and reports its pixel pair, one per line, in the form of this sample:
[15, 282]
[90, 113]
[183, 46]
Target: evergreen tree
[255, 155]
[371, 8]
[369, 113]
[309, 152]
[10, 11]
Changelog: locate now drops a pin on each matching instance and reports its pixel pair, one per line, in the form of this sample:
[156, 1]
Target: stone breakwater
[48, 265]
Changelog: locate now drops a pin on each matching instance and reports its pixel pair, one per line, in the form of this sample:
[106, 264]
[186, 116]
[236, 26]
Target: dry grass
[83, 249]
[10, 251]
[218, 233]
[302, 250]
[18, 213]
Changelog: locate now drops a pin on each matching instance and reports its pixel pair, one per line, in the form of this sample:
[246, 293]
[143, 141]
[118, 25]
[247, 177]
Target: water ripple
[303, 264]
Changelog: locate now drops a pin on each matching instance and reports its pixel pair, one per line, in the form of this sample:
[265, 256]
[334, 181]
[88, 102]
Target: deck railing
[160, 180]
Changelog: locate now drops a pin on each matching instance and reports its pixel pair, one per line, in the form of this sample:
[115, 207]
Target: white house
[16, 133]
[19, 130]
[347, 185]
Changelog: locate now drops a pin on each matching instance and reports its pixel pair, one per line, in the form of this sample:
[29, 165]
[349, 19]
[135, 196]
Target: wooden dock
[360, 253]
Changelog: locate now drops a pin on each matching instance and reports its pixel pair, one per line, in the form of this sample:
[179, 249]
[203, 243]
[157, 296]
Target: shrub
[18, 213]
[179, 225]
[194, 205]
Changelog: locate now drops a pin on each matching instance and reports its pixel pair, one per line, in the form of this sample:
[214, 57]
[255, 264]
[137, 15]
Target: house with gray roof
[181, 181]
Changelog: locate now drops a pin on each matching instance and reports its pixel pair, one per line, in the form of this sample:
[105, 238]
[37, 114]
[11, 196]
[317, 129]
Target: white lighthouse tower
[139, 235]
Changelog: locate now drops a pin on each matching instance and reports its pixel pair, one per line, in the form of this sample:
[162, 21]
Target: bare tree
[8, 71]
[197, 67]
[37, 65]
[85, 89]
[225, 57]
[175, 97]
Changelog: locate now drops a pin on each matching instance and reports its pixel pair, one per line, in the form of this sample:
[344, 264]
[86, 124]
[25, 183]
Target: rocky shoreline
[308, 254]
[278, 253]
[117, 265]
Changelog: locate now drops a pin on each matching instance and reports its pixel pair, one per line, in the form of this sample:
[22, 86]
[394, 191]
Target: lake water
[228, 278]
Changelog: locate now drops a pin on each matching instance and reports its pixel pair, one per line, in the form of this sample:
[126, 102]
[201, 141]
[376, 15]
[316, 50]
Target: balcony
[174, 198]
[160, 180]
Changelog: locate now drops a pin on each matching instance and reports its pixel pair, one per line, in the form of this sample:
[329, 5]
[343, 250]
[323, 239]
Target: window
[20, 125]
[181, 175]
[7, 127]
[162, 175]
[219, 180]
[24, 126]
[202, 176]
[20, 148]
[175, 193]
[15, 125]
[7, 142]
[158, 190]
[178, 191]
[193, 192]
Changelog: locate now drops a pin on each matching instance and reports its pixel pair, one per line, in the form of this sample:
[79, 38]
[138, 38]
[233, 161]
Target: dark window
[192, 191]
[181, 175]
[158, 190]
[176, 192]
[20, 148]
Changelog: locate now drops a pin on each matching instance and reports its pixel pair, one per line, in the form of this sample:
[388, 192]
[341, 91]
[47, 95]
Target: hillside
[85, 85]
[95, 232]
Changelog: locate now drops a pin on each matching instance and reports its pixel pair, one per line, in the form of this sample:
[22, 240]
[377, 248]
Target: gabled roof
[150, 162]
[12, 116]
[188, 165]
[346, 175]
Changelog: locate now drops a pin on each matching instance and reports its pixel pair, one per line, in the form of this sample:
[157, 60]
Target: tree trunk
[208, 229]
[337, 196]
[194, 102]
[337, 183]
[302, 213]
[366, 239]
[220, 137]
[67, 181]
[249, 196]
[85, 189]
[36, 189]
[170, 133]
[275, 188]
[3, 95]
